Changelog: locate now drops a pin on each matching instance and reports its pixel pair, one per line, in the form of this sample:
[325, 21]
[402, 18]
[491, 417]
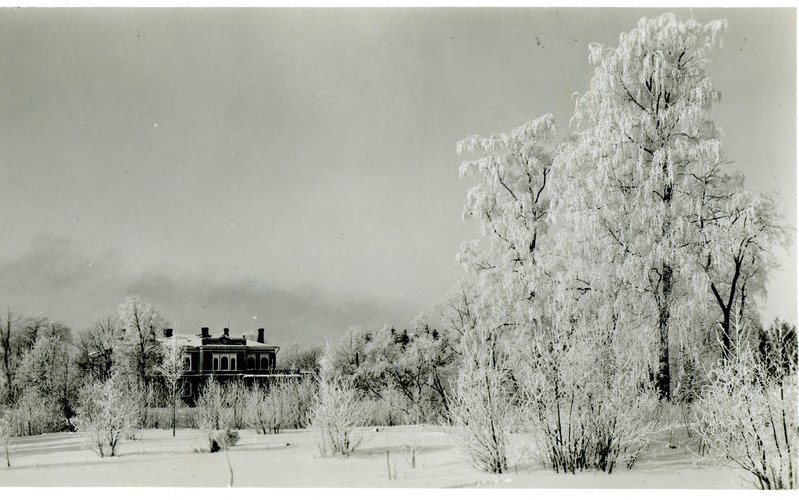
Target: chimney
[261, 335]
[204, 332]
[226, 332]
[167, 332]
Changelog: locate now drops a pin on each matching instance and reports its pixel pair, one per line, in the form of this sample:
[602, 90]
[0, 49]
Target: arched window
[224, 363]
[216, 364]
[187, 363]
[251, 363]
[233, 363]
[264, 363]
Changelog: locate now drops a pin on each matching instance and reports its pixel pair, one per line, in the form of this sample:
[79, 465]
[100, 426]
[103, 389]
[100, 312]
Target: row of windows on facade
[222, 362]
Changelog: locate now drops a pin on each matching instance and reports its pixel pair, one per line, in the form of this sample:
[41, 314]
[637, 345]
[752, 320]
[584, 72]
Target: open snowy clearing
[291, 459]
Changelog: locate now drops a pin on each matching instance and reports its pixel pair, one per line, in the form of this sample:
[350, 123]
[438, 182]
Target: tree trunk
[726, 339]
[6, 345]
[663, 380]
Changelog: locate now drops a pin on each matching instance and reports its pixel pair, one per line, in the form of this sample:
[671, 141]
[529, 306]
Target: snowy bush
[151, 398]
[32, 414]
[235, 395]
[748, 414]
[337, 413]
[6, 439]
[336, 416]
[299, 400]
[266, 410]
[583, 397]
[481, 409]
[624, 422]
[107, 415]
[215, 417]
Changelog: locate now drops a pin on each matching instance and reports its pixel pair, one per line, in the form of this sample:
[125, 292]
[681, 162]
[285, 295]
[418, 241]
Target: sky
[295, 169]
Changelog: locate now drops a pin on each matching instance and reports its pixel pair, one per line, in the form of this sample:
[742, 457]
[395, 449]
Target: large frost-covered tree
[49, 371]
[139, 349]
[630, 185]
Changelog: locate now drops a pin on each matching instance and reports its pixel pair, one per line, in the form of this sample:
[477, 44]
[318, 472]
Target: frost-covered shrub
[482, 409]
[337, 416]
[107, 415]
[235, 395]
[624, 422]
[214, 417]
[266, 409]
[337, 413]
[748, 415]
[299, 401]
[32, 414]
[583, 398]
[279, 406]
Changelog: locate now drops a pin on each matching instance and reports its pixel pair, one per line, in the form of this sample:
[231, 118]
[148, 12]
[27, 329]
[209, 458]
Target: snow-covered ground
[291, 459]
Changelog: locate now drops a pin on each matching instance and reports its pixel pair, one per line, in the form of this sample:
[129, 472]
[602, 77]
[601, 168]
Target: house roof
[197, 341]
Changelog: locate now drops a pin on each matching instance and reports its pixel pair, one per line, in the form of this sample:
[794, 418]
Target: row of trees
[46, 367]
[620, 268]
[406, 372]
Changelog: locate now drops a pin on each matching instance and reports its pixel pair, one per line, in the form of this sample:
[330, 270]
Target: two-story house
[225, 358]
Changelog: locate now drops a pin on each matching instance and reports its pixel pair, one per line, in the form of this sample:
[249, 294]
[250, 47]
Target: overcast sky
[296, 169]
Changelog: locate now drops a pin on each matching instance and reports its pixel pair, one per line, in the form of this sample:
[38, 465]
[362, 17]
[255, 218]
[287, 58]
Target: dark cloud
[55, 277]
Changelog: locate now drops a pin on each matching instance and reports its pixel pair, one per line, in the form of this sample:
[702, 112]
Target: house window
[224, 362]
[264, 363]
[187, 363]
[251, 362]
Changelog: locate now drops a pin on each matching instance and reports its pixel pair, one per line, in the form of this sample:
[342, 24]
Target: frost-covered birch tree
[511, 203]
[512, 206]
[629, 186]
[509, 279]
